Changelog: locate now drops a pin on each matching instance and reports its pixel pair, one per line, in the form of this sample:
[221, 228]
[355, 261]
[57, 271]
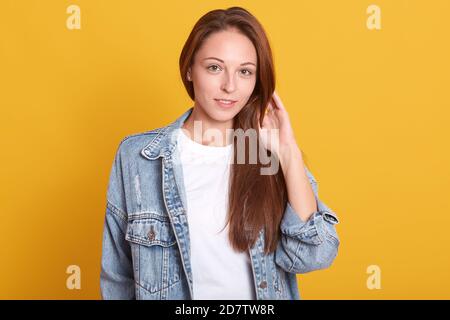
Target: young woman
[189, 215]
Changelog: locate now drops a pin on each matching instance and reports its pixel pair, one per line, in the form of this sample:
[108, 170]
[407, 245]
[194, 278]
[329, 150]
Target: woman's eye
[213, 67]
[248, 72]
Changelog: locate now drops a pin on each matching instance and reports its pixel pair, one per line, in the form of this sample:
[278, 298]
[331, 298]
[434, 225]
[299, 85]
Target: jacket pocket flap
[150, 231]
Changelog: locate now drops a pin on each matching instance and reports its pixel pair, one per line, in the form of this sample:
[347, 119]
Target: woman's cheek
[249, 87]
[209, 83]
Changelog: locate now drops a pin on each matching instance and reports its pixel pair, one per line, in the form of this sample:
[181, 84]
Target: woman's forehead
[229, 48]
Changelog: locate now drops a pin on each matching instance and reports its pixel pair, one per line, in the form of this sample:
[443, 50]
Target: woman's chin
[222, 115]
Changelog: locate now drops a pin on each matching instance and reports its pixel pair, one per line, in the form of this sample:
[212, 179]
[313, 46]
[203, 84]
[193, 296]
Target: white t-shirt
[218, 271]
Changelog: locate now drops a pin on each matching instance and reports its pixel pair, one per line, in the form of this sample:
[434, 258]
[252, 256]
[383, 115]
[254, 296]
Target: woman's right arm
[116, 276]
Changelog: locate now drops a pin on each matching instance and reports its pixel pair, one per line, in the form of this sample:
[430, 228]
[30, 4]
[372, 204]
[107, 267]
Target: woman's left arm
[309, 239]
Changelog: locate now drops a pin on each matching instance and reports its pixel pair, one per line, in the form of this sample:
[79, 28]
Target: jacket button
[151, 234]
[263, 284]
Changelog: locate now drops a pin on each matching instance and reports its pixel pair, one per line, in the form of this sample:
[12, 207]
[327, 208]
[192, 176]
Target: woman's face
[224, 68]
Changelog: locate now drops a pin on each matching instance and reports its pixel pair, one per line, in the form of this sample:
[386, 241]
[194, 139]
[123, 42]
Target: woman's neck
[204, 130]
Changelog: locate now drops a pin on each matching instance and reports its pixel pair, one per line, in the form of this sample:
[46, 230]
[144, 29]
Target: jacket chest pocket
[155, 254]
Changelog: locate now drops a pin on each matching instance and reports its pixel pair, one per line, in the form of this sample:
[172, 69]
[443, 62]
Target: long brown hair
[256, 202]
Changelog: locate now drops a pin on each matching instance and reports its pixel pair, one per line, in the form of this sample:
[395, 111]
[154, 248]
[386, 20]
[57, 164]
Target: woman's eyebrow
[242, 64]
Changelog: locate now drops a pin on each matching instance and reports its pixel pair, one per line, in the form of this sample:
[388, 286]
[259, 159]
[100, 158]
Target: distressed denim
[145, 249]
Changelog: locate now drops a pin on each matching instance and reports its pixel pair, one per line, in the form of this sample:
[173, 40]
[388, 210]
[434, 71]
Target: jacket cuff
[311, 231]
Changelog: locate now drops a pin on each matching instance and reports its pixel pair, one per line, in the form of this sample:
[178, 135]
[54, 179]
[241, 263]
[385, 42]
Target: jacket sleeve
[307, 245]
[116, 276]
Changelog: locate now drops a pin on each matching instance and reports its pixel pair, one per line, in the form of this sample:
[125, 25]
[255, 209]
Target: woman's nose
[228, 82]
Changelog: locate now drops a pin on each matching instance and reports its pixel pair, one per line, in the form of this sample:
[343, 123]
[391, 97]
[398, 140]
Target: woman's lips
[225, 104]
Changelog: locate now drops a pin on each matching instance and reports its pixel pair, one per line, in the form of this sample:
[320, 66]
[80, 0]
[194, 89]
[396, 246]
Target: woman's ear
[188, 76]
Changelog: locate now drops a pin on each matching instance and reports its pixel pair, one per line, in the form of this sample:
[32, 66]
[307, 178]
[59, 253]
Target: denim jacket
[145, 249]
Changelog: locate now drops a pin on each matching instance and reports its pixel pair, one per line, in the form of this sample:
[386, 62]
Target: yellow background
[370, 109]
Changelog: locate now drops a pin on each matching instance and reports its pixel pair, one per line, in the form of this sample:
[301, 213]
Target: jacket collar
[165, 141]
